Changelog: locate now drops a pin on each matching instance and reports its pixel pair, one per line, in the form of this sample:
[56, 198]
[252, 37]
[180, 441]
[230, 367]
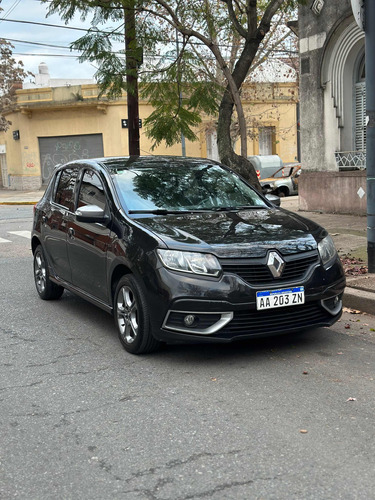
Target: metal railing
[351, 160]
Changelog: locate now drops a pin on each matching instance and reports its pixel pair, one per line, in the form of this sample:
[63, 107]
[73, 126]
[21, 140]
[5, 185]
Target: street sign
[358, 8]
[124, 123]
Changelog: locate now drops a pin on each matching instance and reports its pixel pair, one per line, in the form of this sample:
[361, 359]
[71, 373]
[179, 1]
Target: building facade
[52, 125]
[333, 108]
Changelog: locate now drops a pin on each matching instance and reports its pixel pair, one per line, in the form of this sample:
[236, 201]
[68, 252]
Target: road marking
[2, 240]
[24, 234]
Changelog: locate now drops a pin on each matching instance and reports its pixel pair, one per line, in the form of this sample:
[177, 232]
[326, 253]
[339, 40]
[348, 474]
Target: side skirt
[90, 298]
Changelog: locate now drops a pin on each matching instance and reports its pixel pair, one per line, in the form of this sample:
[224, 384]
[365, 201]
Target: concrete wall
[320, 133]
[333, 192]
[331, 46]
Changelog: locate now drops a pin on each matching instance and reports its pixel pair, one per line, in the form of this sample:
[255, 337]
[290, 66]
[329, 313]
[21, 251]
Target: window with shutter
[360, 116]
[266, 140]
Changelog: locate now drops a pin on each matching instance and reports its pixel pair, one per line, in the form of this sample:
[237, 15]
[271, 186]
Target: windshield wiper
[164, 211]
[234, 209]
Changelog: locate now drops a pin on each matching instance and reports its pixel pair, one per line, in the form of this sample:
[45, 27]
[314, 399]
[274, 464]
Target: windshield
[182, 186]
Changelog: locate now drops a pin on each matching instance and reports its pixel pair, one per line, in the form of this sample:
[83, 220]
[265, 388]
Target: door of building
[3, 171]
[61, 149]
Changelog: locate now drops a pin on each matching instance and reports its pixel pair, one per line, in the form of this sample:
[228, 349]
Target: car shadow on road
[265, 347]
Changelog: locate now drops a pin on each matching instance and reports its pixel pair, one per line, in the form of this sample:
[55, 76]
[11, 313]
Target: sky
[60, 62]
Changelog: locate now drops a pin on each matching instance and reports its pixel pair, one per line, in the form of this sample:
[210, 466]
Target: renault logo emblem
[275, 264]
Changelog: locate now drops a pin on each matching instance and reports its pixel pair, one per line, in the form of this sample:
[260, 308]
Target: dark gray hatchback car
[182, 250]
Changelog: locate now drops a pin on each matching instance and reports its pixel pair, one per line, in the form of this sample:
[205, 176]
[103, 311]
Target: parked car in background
[284, 182]
[181, 250]
[265, 165]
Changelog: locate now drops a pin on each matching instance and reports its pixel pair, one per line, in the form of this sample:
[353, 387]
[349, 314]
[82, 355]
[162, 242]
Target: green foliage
[180, 84]
[170, 117]
[11, 74]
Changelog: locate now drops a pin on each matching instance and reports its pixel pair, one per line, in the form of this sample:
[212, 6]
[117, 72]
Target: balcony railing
[351, 160]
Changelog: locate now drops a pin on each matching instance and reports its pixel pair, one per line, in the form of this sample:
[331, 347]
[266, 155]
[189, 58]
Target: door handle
[71, 232]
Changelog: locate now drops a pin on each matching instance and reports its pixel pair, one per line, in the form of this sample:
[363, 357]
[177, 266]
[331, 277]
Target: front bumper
[225, 309]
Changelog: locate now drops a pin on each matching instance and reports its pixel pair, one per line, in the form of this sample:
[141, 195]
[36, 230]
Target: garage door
[55, 150]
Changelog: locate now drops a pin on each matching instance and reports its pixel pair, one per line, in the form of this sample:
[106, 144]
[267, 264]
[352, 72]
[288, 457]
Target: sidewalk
[11, 197]
[349, 233]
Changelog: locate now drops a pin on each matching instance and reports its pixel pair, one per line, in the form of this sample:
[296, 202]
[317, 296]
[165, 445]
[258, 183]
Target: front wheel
[132, 317]
[44, 286]
[282, 192]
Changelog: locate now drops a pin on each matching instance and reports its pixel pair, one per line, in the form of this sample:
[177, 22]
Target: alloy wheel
[127, 314]
[40, 272]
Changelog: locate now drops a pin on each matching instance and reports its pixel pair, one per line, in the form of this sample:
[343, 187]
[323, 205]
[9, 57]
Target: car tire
[44, 286]
[282, 192]
[132, 317]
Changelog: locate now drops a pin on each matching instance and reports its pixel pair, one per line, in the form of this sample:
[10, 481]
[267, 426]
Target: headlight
[327, 249]
[190, 262]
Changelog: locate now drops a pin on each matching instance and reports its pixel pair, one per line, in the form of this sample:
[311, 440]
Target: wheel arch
[118, 272]
[35, 242]
[283, 189]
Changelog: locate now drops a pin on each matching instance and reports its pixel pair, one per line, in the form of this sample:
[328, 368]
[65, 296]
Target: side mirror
[275, 200]
[91, 213]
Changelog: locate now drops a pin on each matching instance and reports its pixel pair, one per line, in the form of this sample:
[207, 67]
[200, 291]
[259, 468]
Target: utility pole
[370, 138]
[183, 146]
[132, 56]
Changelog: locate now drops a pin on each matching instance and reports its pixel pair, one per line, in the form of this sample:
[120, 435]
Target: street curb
[18, 202]
[361, 300]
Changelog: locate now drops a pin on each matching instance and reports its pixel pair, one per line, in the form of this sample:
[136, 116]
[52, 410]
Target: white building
[44, 80]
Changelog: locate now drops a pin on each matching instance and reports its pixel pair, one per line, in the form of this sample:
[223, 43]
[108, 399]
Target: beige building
[52, 125]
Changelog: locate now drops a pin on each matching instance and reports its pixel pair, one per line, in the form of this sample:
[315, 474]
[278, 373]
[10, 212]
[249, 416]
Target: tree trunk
[132, 81]
[227, 155]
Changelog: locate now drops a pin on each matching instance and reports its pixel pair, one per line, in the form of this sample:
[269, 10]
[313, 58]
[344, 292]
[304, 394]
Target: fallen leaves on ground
[353, 266]
[351, 311]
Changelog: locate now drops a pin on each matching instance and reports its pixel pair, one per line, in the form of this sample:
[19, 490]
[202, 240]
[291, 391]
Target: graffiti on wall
[30, 161]
[60, 150]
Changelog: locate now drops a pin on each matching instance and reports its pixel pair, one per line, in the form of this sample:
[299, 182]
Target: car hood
[247, 233]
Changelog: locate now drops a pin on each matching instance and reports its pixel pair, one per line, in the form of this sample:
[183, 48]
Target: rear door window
[64, 194]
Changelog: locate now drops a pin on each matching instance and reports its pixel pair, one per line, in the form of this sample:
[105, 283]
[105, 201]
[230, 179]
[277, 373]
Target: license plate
[281, 298]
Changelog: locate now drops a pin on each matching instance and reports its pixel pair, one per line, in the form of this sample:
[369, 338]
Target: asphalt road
[283, 418]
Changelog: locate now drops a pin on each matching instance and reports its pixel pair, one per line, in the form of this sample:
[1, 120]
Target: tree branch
[241, 30]
[270, 11]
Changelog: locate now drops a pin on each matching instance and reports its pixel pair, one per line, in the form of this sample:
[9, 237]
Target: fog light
[189, 320]
[333, 304]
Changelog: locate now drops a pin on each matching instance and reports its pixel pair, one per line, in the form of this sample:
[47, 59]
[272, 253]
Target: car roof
[123, 162]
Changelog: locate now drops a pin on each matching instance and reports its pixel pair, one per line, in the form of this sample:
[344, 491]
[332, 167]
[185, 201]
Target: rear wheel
[132, 317]
[281, 192]
[44, 286]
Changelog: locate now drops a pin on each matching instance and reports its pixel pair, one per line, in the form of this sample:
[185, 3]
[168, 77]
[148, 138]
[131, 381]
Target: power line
[53, 25]
[10, 10]
[39, 43]
[105, 32]
[31, 54]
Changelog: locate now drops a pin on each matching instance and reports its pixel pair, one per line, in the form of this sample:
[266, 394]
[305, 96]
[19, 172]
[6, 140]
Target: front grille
[281, 320]
[255, 271]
